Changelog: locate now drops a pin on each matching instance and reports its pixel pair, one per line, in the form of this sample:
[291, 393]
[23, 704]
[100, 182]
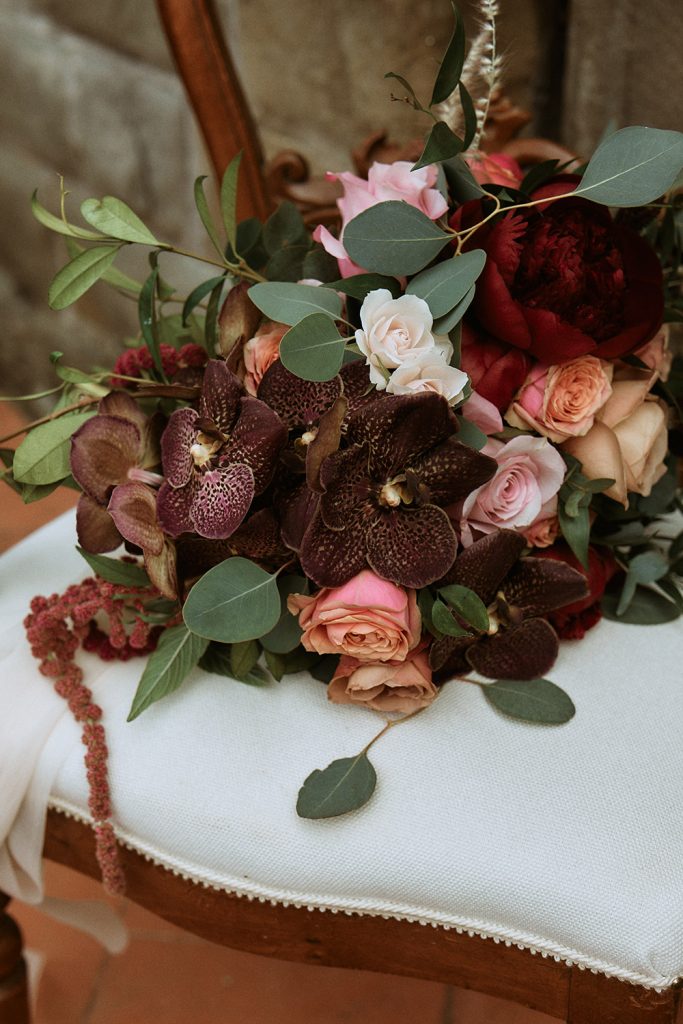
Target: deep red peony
[573, 620]
[565, 280]
[497, 371]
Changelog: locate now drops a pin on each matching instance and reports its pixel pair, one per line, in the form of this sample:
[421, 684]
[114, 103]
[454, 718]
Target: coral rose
[385, 182]
[260, 352]
[495, 169]
[565, 283]
[385, 686]
[368, 619]
[561, 401]
[496, 371]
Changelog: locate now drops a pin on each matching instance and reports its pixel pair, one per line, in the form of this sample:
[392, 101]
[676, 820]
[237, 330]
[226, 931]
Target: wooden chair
[286, 932]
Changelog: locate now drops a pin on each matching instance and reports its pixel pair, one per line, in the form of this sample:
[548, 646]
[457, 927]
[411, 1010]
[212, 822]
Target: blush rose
[429, 372]
[369, 619]
[260, 352]
[385, 686]
[397, 331]
[559, 402]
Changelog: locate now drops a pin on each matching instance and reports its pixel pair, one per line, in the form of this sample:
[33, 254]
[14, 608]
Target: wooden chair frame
[290, 933]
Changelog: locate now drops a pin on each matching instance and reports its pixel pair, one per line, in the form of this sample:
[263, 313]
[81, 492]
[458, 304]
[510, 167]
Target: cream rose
[384, 686]
[656, 354]
[396, 331]
[368, 619]
[428, 372]
[260, 352]
[561, 401]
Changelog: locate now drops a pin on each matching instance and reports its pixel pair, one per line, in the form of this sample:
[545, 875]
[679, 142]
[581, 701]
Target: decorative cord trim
[536, 945]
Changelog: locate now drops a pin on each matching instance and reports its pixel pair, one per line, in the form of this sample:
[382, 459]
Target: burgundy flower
[574, 619]
[216, 460]
[566, 281]
[383, 495]
[497, 371]
[521, 644]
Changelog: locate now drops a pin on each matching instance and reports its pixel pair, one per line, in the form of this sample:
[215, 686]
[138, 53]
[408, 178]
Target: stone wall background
[89, 91]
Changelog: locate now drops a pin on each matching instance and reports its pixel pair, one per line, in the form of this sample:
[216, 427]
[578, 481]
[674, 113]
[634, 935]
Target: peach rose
[495, 169]
[543, 532]
[260, 352]
[368, 619]
[385, 686]
[561, 401]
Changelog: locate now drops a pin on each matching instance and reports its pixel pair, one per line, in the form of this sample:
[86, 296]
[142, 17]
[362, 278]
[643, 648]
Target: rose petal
[600, 456]
[95, 528]
[539, 585]
[176, 441]
[257, 439]
[173, 508]
[133, 508]
[526, 651]
[411, 547]
[102, 452]
[221, 392]
[222, 500]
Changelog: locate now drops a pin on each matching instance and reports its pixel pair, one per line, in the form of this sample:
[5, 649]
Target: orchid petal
[222, 500]
[483, 566]
[221, 392]
[176, 442]
[298, 403]
[539, 585]
[452, 470]
[102, 452]
[526, 651]
[133, 508]
[258, 437]
[411, 547]
[95, 527]
[173, 508]
[330, 558]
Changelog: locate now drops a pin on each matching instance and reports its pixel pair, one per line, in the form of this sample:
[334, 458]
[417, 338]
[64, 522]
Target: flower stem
[390, 725]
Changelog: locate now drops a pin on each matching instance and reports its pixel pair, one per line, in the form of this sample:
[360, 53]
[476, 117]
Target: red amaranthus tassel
[56, 627]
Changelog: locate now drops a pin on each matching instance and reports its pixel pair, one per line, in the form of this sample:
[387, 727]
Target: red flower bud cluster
[135, 361]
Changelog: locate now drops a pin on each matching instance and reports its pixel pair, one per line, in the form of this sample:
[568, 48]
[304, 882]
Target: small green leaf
[462, 184]
[178, 652]
[199, 293]
[443, 286]
[393, 238]
[56, 224]
[467, 605]
[632, 167]
[147, 315]
[243, 657]
[286, 635]
[313, 349]
[414, 101]
[79, 274]
[445, 324]
[229, 199]
[470, 434]
[43, 457]
[320, 265]
[211, 338]
[646, 608]
[284, 228]
[116, 278]
[113, 570]
[206, 218]
[234, 601]
[576, 531]
[452, 63]
[114, 218]
[441, 145]
[532, 700]
[345, 785]
[289, 303]
[216, 659]
[443, 620]
[360, 285]
[470, 116]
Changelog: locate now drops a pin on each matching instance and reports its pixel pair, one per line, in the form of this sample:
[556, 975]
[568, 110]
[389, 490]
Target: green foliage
[442, 144]
[470, 434]
[234, 601]
[286, 635]
[313, 349]
[647, 567]
[647, 607]
[199, 293]
[43, 457]
[147, 315]
[218, 660]
[211, 320]
[178, 652]
[393, 238]
[467, 605]
[360, 285]
[462, 184]
[470, 116]
[205, 215]
[445, 285]
[443, 621]
[345, 785]
[632, 167]
[290, 303]
[532, 700]
[574, 501]
[452, 63]
[61, 227]
[113, 217]
[229, 199]
[113, 570]
[80, 274]
[445, 324]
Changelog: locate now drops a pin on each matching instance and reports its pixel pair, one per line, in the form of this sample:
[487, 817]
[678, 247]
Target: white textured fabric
[566, 840]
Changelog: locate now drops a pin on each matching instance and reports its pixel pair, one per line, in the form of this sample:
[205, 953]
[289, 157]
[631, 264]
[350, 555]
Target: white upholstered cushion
[566, 840]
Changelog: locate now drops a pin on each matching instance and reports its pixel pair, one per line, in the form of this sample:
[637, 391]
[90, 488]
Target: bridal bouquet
[418, 449]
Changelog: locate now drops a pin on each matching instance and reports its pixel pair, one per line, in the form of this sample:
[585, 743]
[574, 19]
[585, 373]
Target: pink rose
[385, 686]
[482, 413]
[543, 532]
[260, 352]
[523, 490]
[368, 619]
[495, 169]
[385, 182]
[561, 401]
[656, 354]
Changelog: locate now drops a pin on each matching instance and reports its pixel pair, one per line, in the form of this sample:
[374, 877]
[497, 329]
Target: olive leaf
[345, 785]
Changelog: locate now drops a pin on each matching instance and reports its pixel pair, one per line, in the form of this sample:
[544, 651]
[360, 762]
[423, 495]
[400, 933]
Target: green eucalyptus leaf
[361, 285]
[113, 217]
[234, 601]
[43, 457]
[243, 657]
[470, 116]
[576, 531]
[319, 265]
[345, 785]
[532, 700]
[470, 434]
[443, 620]
[284, 228]
[56, 224]
[647, 608]
[80, 274]
[286, 635]
[442, 144]
[289, 303]
[113, 570]
[313, 349]
[649, 566]
[467, 605]
[205, 215]
[538, 175]
[229, 199]
[632, 167]
[178, 652]
[443, 286]
[199, 293]
[325, 669]
[452, 63]
[147, 315]
[211, 337]
[393, 238]
[445, 324]
[216, 659]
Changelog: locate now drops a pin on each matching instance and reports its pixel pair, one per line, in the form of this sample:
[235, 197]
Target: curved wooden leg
[595, 999]
[13, 984]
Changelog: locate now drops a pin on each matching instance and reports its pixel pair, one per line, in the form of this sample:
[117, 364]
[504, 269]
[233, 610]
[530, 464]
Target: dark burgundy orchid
[384, 494]
[216, 460]
[517, 592]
